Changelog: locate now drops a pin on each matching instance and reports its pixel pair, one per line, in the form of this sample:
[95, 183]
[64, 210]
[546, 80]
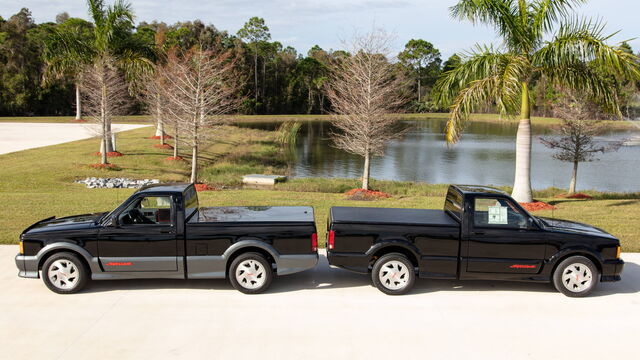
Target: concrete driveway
[22, 136]
[320, 314]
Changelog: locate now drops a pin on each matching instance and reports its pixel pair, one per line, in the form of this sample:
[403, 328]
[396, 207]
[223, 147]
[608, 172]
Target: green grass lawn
[38, 183]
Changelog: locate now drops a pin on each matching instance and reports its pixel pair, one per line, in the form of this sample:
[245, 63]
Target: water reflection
[485, 155]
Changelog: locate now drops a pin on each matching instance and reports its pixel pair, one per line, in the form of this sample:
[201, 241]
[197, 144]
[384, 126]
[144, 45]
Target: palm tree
[110, 39]
[61, 63]
[540, 38]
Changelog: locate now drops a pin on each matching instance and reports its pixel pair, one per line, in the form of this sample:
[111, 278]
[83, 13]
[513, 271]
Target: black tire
[77, 277]
[582, 267]
[405, 281]
[251, 286]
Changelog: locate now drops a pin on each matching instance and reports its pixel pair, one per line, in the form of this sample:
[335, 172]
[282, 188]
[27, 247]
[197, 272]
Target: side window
[497, 212]
[147, 210]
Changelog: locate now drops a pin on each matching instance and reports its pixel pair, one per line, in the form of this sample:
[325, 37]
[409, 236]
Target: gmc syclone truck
[482, 233]
[161, 232]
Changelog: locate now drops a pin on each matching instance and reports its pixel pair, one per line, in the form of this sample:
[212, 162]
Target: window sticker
[498, 215]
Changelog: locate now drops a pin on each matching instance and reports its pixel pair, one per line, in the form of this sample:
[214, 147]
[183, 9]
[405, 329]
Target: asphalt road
[319, 314]
[22, 136]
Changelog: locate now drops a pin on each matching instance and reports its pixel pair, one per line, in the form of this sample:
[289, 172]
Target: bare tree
[576, 142]
[154, 96]
[202, 86]
[105, 96]
[365, 90]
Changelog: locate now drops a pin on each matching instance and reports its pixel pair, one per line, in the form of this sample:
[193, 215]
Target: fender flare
[250, 242]
[588, 252]
[92, 261]
[403, 243]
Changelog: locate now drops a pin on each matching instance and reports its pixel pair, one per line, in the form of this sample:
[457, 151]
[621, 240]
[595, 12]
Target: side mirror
[531, 224]
[113, 222]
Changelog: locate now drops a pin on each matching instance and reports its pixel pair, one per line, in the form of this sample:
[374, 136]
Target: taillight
[332, 239]
[314, 242]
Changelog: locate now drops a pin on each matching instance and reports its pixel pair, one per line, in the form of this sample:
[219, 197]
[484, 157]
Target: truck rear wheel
[576, 276]
[393, 274]
[250, 273]
[64, 273]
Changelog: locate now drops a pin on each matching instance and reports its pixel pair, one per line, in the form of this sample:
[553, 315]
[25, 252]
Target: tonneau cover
[365, 215]
[265, 214]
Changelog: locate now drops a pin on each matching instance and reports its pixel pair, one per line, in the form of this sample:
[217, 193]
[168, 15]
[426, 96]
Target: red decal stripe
[520, 266]
[119, 263]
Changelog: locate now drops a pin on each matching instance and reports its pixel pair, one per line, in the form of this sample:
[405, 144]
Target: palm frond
[548, 12]
[479, 63]
[583, 41]
[478, 92]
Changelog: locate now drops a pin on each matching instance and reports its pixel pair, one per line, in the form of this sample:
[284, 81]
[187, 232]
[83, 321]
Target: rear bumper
[27, 266]
[356, 262]
[611, 270]
[290, 264]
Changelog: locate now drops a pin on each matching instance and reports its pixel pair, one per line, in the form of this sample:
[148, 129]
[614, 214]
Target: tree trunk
[103, 154]
[255, 73]
[175, 143]
[194, 164]
[574, 178]
[365, 173]
[160, 124]
[419, 88]
[106, 122]
[522, 183]
[78, 102]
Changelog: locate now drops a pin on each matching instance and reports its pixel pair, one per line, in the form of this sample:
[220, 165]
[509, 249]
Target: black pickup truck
[482, 233]
[160, 232]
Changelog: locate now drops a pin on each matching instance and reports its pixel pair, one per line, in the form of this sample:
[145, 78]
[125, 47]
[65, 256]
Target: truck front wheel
[250, 273]
[64, 273]
[393, 274]
[576, 276]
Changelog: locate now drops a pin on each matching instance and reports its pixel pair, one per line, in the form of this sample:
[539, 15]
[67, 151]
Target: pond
[485, 155]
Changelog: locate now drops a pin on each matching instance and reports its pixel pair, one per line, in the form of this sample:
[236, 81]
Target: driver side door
[142, 237]
[502, 239]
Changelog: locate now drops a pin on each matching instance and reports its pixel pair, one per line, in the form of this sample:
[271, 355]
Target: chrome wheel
[250, 274]
[394, 275]
[577, 277]
[63, 274]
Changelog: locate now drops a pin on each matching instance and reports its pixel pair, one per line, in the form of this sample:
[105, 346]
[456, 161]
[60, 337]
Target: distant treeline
[279, 80]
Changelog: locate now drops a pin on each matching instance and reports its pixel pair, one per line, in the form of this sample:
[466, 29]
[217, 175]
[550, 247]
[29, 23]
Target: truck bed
[390, 216]
[254, 214]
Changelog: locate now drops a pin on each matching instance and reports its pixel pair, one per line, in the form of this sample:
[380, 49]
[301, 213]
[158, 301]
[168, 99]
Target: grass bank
[38, 183]
[487, 118]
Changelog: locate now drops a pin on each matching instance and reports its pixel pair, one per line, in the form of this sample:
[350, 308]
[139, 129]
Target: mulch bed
[105, 166]
[575, 196]
[537, 206]
[362, 194]
[163, 146]
[157, 137]
[109, 154]
[175, 158]
[203, 187]
[79, 121]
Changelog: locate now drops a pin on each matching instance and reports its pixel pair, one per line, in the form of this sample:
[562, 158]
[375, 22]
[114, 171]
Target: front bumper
[611, 270]
[290, 264]
[27, 266]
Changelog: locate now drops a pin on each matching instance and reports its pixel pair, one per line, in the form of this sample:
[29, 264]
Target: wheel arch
[393, 246]
[250, 245]
[56, 248]
[577, 252]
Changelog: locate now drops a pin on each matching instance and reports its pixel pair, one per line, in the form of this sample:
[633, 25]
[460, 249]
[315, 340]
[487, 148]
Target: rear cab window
[453, 203]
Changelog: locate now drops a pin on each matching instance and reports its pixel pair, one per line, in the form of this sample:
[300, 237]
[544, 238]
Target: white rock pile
[116, 183]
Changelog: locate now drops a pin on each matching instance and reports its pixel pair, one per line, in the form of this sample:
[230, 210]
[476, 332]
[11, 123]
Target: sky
[304, 23]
